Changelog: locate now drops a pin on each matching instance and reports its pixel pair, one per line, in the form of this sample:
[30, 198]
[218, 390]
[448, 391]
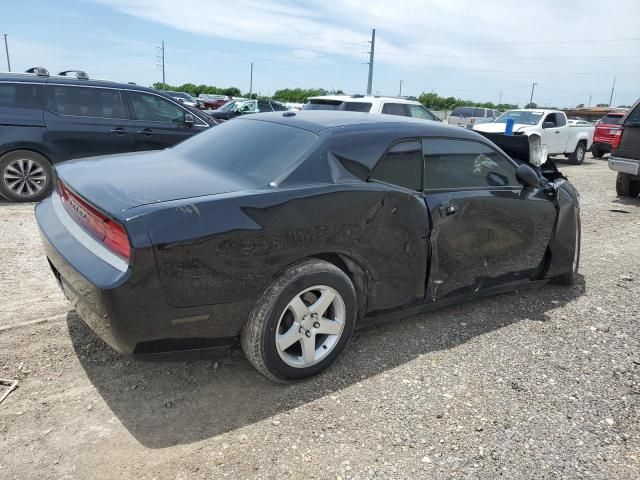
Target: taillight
[616, 139]
[108, 231]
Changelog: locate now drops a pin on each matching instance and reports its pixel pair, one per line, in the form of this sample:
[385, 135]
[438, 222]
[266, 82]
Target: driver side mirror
[527, 176]
[548, 125]
[189, 119]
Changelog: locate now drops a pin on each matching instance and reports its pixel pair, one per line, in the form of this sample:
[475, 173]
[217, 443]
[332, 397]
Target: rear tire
[626, 186]
[283, 339]
[25, 176]
[596, 152]
[577, 157]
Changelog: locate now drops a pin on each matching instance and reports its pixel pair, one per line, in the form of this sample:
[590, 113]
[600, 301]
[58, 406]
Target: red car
[606, 129]
[213, 102]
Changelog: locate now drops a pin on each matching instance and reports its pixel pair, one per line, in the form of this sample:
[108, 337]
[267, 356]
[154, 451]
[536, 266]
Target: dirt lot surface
[533, 384]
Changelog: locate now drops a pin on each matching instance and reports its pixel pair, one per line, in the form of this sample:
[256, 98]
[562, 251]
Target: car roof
[64, 80]
[363, 98]
[318, 121]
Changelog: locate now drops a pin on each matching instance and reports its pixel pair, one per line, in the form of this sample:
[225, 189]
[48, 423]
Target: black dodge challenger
[288, 230]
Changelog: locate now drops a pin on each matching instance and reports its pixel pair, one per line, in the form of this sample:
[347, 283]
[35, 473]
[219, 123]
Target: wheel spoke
[29, 166]
[298, 308]
[27, 184]
[329, 327]
[8, 175]
[290, 337]
[37, 187]
[308, 349]
[12, 168]
[322, 304]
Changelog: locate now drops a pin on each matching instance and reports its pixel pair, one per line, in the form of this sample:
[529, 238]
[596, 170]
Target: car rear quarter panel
[227, 248]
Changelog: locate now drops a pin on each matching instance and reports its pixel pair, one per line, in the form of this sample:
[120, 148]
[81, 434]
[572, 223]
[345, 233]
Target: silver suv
[371, 104]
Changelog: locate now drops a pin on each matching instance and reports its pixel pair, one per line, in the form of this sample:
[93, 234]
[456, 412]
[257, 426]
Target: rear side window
[153, 108]
[321, 104]
[462, 112]
[463, 164]
[478, 112]
[264, 106]
[21, 95]
[401, 166]
[85, 101]
[399, 109]
[561, 120]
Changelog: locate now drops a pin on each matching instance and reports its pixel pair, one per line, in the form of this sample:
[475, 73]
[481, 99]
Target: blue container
[508, 129]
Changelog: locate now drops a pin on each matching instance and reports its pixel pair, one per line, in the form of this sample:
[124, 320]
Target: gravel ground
[533, 384]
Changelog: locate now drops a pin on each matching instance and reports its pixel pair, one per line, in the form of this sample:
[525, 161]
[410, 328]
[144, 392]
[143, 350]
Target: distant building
[591, 114]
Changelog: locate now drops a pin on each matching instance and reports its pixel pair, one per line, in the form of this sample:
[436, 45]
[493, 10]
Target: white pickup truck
[557, 136]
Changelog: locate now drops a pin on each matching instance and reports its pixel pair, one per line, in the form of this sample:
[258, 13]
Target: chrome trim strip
[90, 243]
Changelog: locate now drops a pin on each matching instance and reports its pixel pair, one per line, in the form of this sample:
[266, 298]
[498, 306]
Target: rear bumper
[602, 146]
[624, 165]
[128, 309]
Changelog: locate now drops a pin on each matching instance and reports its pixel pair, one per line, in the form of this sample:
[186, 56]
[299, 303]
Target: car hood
[499, 127]
[116, 183]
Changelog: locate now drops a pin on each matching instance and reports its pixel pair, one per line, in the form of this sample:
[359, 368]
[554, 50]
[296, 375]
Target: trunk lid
[117, 183]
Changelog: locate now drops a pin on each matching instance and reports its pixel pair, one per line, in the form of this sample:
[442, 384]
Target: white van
[469, 116]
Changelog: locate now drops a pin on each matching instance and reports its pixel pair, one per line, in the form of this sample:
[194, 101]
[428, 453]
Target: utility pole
[589, 104]
[371, 53]
[533, 86]
[500, 101]
[160, 58]
[6, 49]
[251, 81]
[400, 93]
[612, 89]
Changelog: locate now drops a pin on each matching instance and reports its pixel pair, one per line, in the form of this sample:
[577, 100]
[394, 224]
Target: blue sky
[471, 49]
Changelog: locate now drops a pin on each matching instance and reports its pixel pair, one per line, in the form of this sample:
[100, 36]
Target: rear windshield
[611, 119]
[19, 95]
[462, 112]
[338, 105]
[263, 151]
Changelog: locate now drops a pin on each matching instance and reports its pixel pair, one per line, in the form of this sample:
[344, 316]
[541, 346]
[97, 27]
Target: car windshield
[522, 117]
[227, 107]
[262, 151]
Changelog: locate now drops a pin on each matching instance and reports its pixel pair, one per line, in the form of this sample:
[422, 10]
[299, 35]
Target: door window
[395, 109]
[561, 120]
[401, 166]
[153, 108]
[85, 101]
[550, 118]
[463, 164]
[21, 95]
[478, 112]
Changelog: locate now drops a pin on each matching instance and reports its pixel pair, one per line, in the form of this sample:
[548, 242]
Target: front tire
[25, 176]
[301, 323]
[569, 278]
[577, 157]
[626, 186]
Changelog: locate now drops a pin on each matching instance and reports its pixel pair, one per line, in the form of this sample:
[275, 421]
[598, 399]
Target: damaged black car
[286, 231]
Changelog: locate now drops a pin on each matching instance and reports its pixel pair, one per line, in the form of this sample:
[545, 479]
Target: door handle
[145, 131]
[557, 131]
[118, 131]
[448, 210]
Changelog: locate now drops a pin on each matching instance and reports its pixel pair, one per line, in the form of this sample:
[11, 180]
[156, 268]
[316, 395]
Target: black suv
[49, 119]
[625, 154]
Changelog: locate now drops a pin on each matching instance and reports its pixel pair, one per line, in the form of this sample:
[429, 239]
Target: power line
[554, 42]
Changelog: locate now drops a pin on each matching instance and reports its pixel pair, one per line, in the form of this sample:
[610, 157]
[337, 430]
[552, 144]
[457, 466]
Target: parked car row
[47, 119]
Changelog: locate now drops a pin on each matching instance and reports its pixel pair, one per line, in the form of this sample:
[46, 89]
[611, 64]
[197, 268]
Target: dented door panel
[483, 238]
